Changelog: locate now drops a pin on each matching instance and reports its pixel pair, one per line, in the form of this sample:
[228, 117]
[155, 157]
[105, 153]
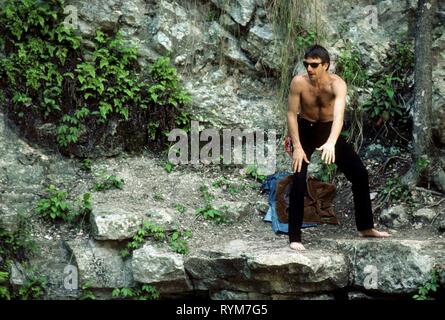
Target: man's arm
[328, 149]
[292, 112]
[298, 154]
[340, 91]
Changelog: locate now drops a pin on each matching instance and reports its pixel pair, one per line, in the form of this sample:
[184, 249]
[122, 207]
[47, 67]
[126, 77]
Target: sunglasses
[314, 65]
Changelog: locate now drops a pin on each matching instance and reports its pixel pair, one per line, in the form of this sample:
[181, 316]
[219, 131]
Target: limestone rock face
[100, 265]
[400, 266]
[159, 267]
[243, 266]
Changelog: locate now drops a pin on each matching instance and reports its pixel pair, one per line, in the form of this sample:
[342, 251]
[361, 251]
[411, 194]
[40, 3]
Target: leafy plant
[252, 170]
[327, 172]
[430, 286]
[50, 76]
[422, 163]
[33, 288]
[157, 233]
[109, 182]
[394, 191]
[178, 241]
[5, 294]
[86, 293]
[158, 196]
[18, 244]
[350, 68]
[305, 38]
[141, 292]
[180, 208]
[208, 211]
[225, 184]
[86, 165]
[169, 167]
[385, 102]
[55, 205]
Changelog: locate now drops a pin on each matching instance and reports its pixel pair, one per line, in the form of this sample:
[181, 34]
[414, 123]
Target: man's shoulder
[336, 79]
[298, 82]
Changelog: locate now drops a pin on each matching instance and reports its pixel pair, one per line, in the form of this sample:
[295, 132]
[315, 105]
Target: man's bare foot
[373, 233]
[297, 246]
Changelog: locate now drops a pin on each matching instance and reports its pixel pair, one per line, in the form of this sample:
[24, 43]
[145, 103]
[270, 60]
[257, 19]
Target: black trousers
[313, 135]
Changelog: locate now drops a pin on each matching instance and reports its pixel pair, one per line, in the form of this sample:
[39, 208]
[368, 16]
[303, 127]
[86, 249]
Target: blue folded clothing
[269, 186]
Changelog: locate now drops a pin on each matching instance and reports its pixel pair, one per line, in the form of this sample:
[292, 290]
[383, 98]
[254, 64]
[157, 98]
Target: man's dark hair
[317, 51]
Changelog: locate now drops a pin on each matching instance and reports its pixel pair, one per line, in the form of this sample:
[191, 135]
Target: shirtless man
[315, 119]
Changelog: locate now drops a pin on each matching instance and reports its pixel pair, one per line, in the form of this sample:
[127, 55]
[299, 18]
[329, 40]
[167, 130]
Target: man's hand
[328, 152]
[297, 159]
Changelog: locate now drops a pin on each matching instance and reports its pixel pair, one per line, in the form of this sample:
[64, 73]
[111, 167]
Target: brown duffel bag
[318, 206]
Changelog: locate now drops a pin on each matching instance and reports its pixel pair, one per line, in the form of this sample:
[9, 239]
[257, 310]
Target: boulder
[424, 215]
[111, 223]
[391, 266]
[394, 217]
[159, 267]
[100, 265]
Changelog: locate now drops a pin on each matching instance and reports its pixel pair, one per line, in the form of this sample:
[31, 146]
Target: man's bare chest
[319, 99]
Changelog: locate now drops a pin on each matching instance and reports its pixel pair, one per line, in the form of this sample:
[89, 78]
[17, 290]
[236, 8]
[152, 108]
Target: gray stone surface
[240, 11]
[100, 265]
[157, 266]
[111, 223]
[394, 217]
[244, 266]
[425, 215]
[391, 266]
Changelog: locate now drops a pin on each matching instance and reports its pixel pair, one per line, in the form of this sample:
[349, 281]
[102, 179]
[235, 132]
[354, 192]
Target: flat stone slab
[246, 267]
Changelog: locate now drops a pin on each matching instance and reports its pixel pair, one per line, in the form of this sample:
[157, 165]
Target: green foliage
[230, 187]
[178, 241]
[158, 196]
[168, 167]
[108, 182]
[327, 172]
[180, 208]
[141, 292]
[208, 211]
[33, 288]
[56, 205]
[85, 204]
[385, 101]
[176, 238]
[5, 294]
[50, 75]
[16, 245]
[305, 38]
[350, 68]
[422, 163]
[252, 170]
[86, 293]
[86, 165]
[430, 286]
[395, 191]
